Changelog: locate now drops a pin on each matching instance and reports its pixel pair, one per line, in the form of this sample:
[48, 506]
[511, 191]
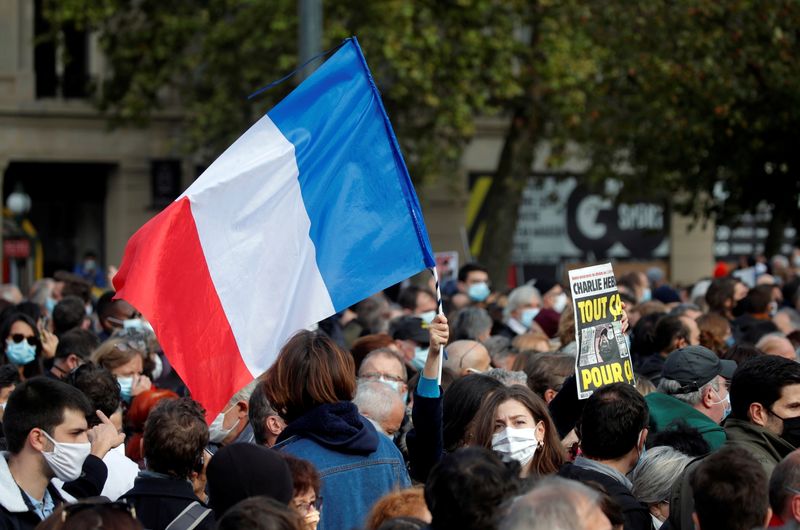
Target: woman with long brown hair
[715, 333]
[514, 422]
[311, 385]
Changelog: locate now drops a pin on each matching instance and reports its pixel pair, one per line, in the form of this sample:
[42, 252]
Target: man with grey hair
[508, 377]
[778, 345]
[232, 425]
[693, 389]
[266, 423]
[784, 490]
[687, 310]
[556, 503]
[380, 404]
[787, 320]
[384, 365]
[500, 351]
[523, 304]
[472, 323]
[654, 477]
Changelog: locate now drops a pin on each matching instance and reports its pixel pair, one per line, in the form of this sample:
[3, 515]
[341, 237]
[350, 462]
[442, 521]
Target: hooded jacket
[15, 511]
[356, 465]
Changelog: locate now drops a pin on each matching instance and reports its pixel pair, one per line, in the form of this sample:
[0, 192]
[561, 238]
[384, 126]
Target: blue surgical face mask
[642, 454]
[526, 319]
[125, 388]
[395, 385]
[647, 295]
[50, 304]
[427, 316]
[478, 292]
[420, 356]
[730, 341]
[20, 353]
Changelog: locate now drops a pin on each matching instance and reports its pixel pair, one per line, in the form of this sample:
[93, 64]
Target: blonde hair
[531, 341]
[114, 353]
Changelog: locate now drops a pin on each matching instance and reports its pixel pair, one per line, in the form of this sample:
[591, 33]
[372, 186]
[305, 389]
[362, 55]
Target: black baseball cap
[694, 366]
[410, 328]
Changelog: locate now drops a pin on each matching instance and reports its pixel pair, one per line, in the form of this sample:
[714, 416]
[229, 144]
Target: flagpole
[441, 312]
[309, 14]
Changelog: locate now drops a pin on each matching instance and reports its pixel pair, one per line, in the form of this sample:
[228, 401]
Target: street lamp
[17, 249]
[19, 202]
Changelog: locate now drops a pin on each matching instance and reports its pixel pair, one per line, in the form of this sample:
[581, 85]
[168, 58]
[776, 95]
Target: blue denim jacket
[351, 484]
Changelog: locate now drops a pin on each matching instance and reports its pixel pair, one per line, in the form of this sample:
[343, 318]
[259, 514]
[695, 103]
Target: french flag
[308, 212]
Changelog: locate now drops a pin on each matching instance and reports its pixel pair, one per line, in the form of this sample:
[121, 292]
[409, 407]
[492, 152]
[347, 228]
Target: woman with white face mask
[653, 478]
[515, 423]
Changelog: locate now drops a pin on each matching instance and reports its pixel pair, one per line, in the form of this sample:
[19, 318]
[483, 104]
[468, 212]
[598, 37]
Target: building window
[61, 61]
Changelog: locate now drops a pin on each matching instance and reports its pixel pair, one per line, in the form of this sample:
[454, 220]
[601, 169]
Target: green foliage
[671, 96]
[684, 94]
[439, 65]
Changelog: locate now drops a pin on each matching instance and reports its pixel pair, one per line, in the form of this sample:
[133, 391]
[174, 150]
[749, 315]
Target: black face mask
[742, 306]
[791, 429]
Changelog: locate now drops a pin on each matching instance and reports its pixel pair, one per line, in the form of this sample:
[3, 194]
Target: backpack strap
[190, 517]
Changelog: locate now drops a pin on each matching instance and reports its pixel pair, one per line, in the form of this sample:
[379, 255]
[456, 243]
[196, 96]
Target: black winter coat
[636, 514]
[158, 501]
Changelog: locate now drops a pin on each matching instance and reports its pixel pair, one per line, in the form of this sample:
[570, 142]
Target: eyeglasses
[131, 345]
[121, 322]
[305, 507]
[374, 376]
[19, 337]
[91, 503]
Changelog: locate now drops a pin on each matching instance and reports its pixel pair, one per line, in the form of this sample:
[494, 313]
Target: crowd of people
[100, 432]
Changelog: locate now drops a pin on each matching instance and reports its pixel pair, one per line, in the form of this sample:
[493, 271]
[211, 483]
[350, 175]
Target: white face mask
[66, 459]
[216, 432]
[560, 303]
[519, 444]
[656, 522]
[158, 369]
[427, 316]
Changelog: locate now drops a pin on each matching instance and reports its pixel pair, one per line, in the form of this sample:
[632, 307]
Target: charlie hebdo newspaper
[603, 357]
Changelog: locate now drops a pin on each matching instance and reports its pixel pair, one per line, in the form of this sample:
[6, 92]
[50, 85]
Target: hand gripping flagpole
[441, 312]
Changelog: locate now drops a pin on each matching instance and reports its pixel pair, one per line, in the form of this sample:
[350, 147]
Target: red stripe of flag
[165, 276]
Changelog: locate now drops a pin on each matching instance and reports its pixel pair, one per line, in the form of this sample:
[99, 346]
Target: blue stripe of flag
[366, 222]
